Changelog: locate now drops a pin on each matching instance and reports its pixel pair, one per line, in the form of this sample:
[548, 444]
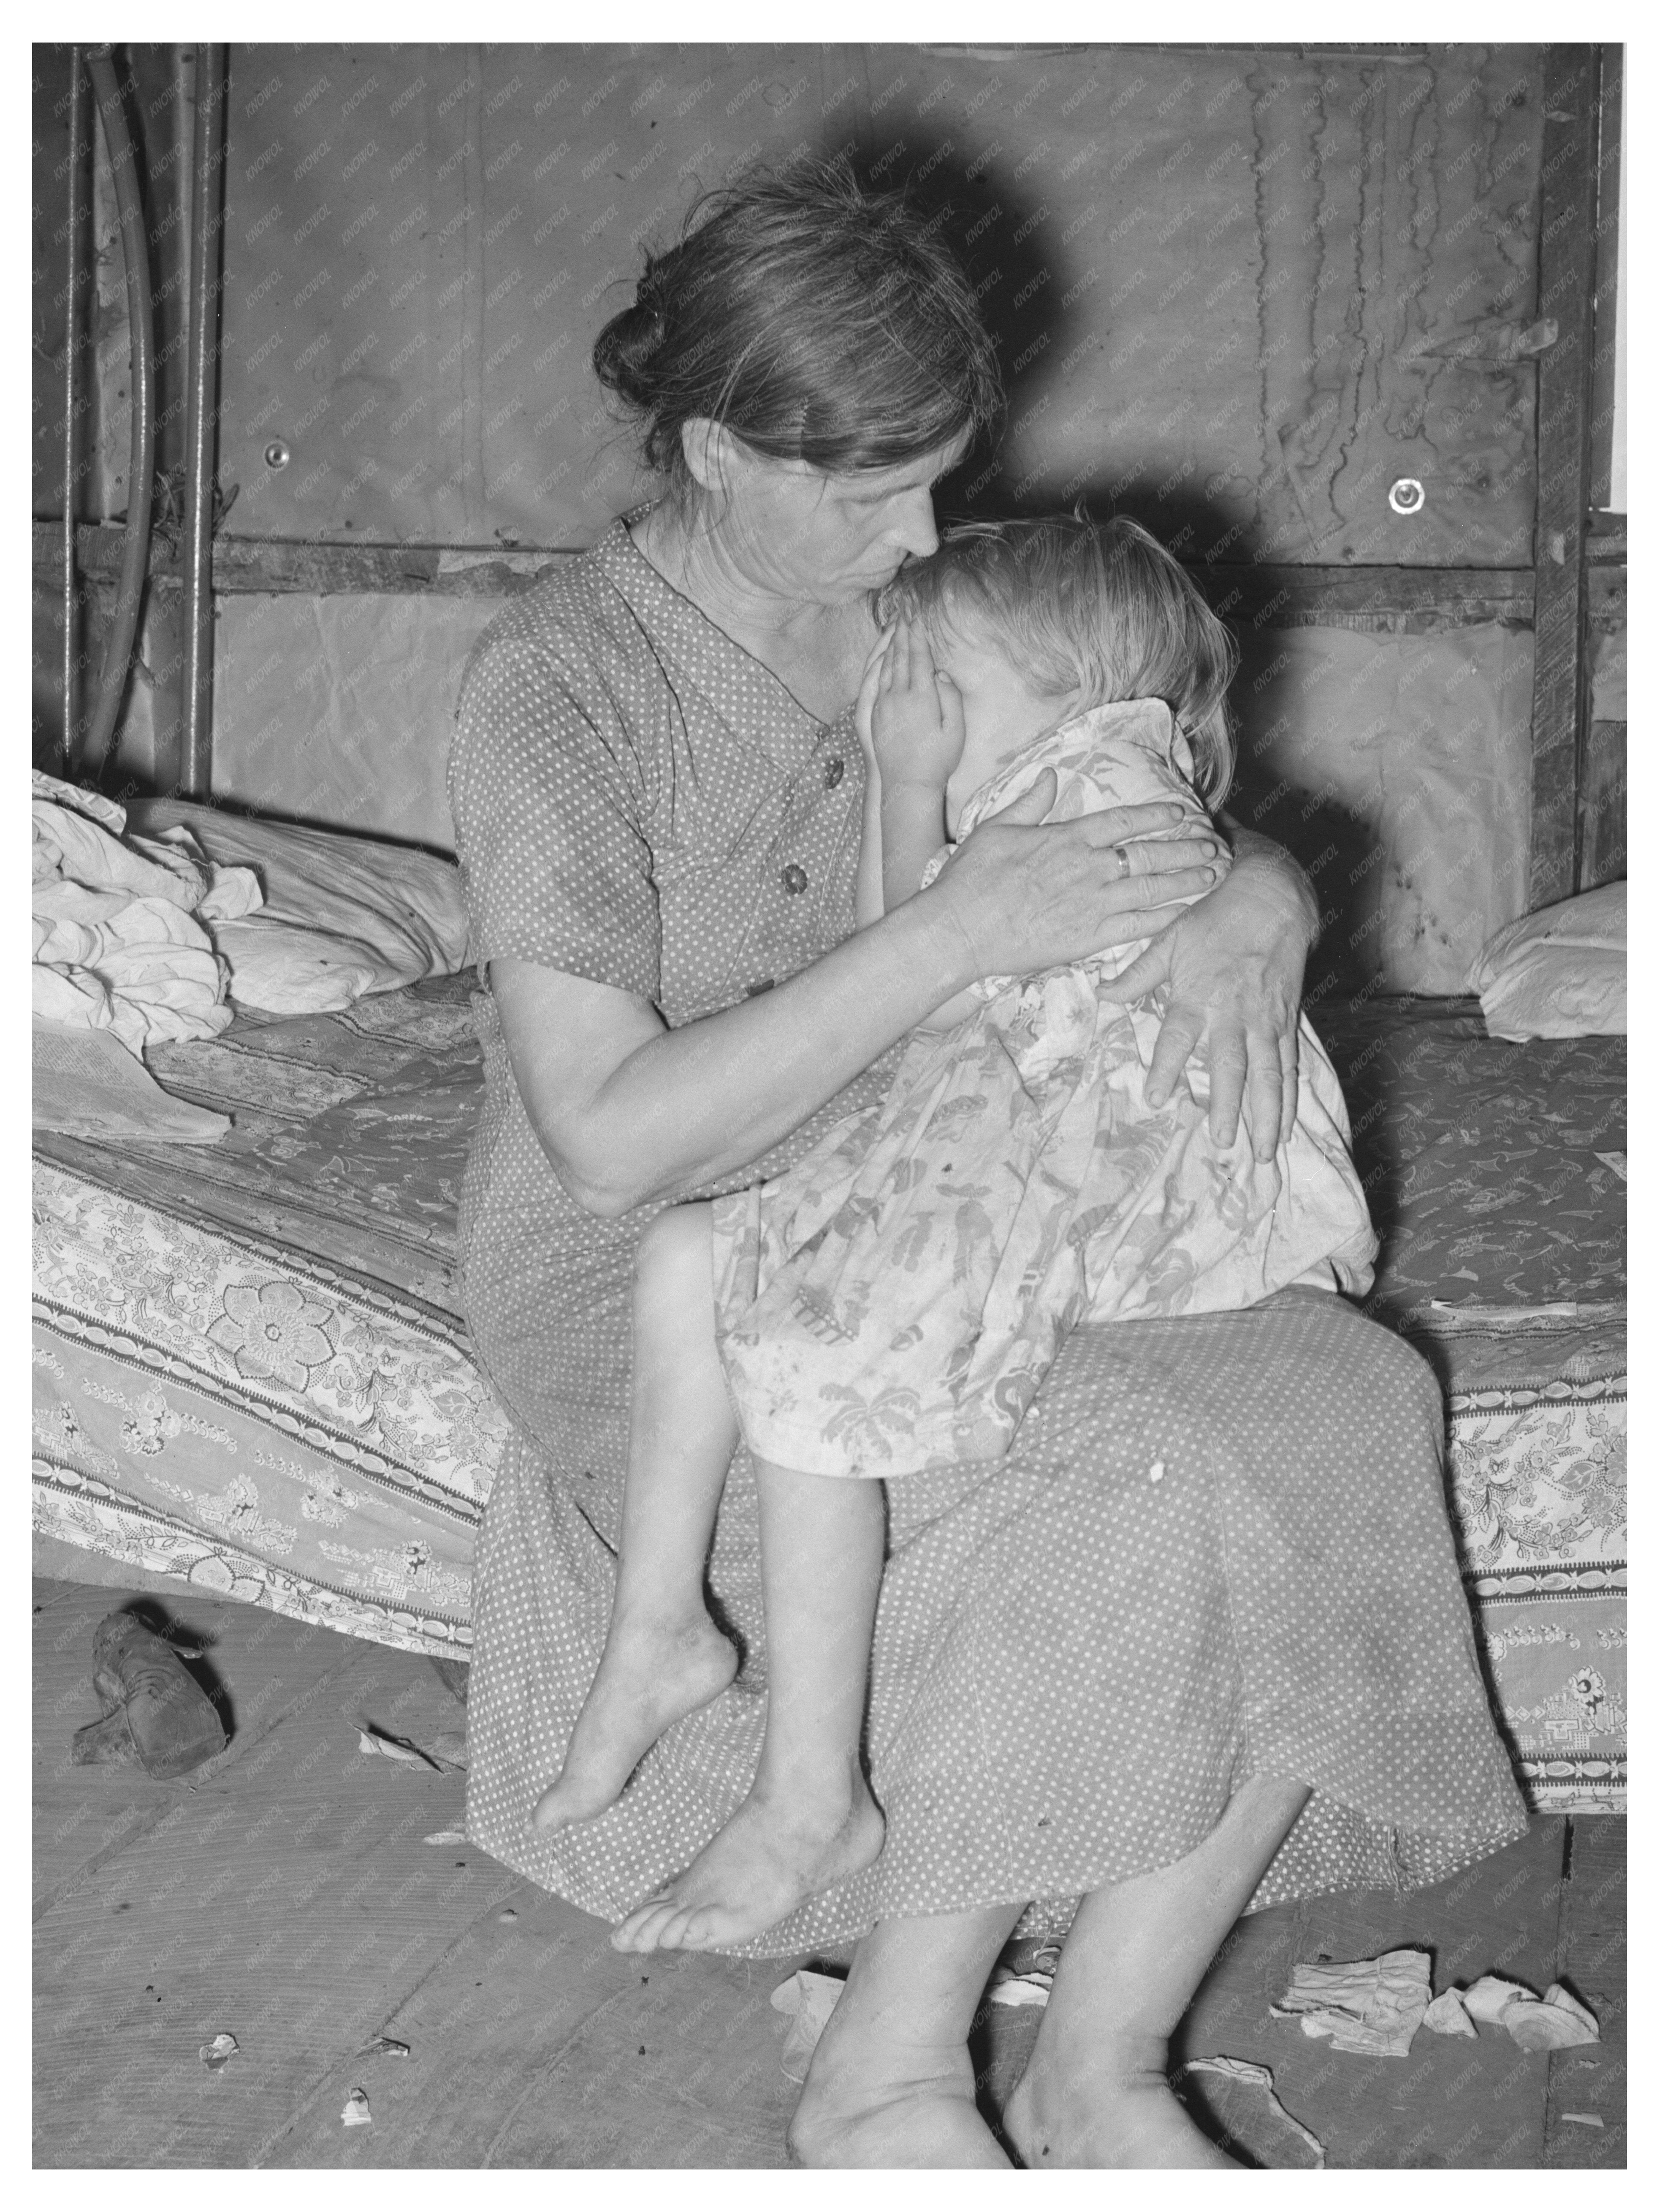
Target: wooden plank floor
[285, 1893]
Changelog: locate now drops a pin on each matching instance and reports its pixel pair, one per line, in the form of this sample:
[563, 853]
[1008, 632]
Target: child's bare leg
[663, 1656]
[809, 1821]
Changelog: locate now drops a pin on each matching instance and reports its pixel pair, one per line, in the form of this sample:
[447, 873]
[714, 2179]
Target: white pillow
[392, 908]
[1558, 973]
[285, 970]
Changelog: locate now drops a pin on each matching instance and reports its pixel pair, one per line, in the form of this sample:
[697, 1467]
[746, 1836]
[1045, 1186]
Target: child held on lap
[893, 1302]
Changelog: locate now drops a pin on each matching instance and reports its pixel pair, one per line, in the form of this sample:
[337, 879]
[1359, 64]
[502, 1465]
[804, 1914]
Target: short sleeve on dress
[550, 826]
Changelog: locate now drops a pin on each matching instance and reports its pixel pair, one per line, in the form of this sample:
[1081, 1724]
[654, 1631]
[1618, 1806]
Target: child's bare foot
[775, 1851]
[648, 1678]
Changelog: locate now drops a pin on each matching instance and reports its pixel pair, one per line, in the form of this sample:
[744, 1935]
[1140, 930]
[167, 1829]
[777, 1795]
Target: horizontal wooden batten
[1345, 598]
[1260, 595]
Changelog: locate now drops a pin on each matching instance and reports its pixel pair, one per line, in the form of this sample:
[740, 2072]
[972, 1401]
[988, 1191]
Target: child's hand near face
[910, 713]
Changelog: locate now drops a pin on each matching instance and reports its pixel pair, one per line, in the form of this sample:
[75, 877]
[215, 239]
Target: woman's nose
[913, 527]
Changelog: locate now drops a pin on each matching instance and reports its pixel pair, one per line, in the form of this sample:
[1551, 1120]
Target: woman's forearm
[629, 1111]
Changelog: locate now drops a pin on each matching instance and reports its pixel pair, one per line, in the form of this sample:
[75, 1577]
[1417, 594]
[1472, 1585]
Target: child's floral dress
[893, 1302]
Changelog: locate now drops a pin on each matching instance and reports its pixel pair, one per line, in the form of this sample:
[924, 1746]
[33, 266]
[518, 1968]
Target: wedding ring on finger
[1122, 859]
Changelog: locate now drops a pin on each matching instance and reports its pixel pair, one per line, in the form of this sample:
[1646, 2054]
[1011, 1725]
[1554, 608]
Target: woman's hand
[915, 713]
[1234, 964]
[1026, 894]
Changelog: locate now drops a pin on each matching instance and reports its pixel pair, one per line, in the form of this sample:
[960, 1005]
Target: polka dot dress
[1219, 1548]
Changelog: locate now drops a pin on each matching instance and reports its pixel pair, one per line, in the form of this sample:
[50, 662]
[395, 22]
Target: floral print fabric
[893, 1300]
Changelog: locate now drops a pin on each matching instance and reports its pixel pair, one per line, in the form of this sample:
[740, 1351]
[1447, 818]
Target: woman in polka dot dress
[895, 1301]
[1198, 1641]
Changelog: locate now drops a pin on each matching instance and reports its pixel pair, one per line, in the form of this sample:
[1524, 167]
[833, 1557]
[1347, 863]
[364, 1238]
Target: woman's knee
[1357, 1372]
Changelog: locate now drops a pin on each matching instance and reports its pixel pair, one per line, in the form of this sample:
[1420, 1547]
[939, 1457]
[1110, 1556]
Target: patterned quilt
[250, 1370]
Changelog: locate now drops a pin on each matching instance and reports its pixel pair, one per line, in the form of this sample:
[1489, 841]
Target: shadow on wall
[1393, 768]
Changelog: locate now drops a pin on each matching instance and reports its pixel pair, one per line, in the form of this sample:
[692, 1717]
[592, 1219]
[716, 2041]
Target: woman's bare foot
[867, 2105]
[779, 1847]
[1119, 2112]
[649, 1678]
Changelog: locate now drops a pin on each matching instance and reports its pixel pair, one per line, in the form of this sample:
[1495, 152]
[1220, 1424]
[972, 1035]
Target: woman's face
[801, 534]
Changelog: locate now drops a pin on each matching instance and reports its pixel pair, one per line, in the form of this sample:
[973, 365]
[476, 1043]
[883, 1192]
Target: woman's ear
[709, 448]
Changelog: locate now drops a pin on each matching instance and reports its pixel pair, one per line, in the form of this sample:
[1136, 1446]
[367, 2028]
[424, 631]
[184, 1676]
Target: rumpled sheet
[120, 937]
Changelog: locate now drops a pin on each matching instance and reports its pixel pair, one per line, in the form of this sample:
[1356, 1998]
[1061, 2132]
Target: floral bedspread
[250, 1369]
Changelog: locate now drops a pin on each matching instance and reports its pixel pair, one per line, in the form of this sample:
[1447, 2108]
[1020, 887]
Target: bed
[252, 1375]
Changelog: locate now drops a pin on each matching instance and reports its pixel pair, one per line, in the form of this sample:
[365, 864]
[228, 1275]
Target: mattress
[250, 1368]
[1496, 1177]
[251, 1374]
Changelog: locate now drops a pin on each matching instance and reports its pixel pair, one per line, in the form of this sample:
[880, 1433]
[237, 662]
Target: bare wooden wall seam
[1566, 293]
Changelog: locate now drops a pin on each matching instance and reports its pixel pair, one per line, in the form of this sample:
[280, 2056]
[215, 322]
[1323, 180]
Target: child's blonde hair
[1101, 611]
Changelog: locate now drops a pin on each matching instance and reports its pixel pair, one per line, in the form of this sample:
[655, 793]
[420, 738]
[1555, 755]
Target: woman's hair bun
[623, 349]
[818, 321]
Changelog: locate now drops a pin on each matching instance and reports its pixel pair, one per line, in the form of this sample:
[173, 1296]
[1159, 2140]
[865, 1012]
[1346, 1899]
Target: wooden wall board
[1603, 806]
[1610, 126]
[1240, 291]
[1355, 595]
[1566, 293]
[1604, 836]
[1403, 601]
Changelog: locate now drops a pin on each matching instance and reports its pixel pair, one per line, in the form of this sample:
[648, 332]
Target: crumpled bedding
[121, 923]
[343, 915]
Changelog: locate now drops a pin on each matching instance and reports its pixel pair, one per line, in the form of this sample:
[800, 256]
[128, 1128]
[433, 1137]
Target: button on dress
[1219, 1546]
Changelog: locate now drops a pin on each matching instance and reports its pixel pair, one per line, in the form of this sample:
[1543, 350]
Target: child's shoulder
[1129, 753]
[1142, 726]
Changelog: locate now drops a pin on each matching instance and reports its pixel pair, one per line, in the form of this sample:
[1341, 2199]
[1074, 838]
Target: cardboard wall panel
[1241, 292]
[1396, 768]
[340, 710]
